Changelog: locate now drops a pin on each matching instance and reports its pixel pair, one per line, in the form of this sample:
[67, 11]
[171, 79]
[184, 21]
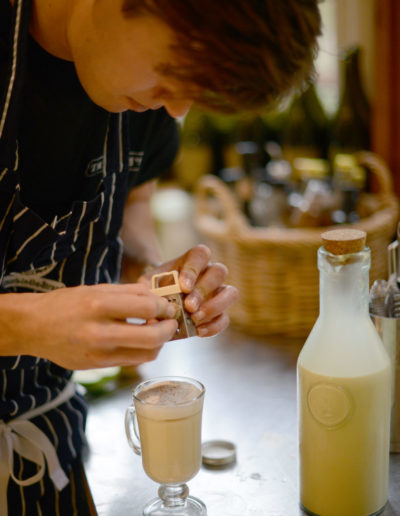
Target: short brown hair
[235, 55]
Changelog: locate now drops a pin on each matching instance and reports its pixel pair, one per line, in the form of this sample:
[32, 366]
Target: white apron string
[23, 437]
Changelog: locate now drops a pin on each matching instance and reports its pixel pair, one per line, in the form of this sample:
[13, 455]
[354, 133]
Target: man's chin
[111, 107]
[121, 106]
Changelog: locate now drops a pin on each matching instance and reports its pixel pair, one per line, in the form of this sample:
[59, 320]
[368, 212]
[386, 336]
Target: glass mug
[164, 426]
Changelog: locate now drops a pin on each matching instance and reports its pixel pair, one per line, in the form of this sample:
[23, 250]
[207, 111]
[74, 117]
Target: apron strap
[10, 99]
[24, 438]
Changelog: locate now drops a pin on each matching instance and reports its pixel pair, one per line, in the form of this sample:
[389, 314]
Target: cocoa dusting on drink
[169, 393]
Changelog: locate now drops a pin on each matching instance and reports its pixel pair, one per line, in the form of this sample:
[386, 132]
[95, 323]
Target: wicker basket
[275, 269]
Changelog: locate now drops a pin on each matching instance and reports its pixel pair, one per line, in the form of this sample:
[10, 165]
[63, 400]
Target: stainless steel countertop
[250, 400]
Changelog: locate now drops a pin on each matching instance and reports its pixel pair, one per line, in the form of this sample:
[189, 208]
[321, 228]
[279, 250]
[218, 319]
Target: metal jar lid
[218, 453]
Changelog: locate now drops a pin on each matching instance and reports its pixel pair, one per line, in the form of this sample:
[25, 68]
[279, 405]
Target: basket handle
[231, 213]
[380, 170]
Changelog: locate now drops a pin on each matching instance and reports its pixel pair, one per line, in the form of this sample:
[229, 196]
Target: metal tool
[166, 285]
[387, 323]
[377, 297]
[392, 301]
[393, 257]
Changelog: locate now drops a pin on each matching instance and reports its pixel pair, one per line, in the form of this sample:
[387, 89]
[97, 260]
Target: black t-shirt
[62, 132]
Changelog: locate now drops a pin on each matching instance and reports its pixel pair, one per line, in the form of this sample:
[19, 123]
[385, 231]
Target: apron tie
[24, 438]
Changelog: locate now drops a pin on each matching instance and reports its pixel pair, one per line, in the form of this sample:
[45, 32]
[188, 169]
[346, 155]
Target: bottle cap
[344, 241]
[218, 453]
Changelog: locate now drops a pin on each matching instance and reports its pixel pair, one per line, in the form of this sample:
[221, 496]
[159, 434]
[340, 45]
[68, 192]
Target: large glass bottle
[350, 127]
[344, 396]
[305, 133]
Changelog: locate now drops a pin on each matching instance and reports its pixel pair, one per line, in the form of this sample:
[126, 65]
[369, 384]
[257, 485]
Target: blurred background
[260, 189]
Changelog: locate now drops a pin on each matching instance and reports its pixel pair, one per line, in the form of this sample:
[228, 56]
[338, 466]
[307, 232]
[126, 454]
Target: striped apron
[79, 246]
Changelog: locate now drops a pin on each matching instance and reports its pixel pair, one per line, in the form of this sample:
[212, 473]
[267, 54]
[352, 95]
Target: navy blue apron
[79, 246]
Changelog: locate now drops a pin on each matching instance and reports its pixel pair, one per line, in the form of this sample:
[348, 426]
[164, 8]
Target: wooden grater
[173, 293]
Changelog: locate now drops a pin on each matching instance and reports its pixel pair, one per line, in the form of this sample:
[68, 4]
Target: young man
[89, 90]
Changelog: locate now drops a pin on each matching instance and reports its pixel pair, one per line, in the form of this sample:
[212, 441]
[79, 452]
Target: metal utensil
[377, 298]
[392, 300]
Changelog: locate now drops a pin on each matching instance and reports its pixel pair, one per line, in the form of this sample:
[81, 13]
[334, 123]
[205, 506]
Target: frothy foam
[169, 393]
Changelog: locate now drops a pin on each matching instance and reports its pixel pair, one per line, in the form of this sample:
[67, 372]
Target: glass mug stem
[173, 496]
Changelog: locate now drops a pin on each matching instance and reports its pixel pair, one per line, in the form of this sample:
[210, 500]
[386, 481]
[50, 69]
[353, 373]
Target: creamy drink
[169, 417]
[344, 442]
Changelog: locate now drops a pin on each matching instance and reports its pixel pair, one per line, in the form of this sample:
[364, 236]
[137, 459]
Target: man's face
[116, 59]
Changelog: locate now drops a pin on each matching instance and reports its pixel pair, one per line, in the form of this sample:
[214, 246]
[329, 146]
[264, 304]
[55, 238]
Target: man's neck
[49, 26]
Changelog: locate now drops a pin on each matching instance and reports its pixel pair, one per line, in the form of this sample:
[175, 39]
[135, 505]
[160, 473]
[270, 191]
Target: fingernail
[198, 316]
[194, 300]
[202, 332]
[171, 310]
[187, 283]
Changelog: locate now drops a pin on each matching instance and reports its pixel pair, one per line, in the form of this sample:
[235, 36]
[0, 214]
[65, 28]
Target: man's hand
[207, 297]
[85, 327]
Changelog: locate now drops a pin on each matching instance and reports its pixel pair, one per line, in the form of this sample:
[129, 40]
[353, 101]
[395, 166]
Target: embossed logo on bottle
[330, 404]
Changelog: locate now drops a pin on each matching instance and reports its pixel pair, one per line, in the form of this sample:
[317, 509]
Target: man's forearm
[15, 323]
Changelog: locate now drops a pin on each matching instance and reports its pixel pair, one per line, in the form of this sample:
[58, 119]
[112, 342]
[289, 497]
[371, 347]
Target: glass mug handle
[131, 430]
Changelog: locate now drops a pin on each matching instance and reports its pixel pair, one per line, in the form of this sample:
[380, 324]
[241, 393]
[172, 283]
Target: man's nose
[178, 108]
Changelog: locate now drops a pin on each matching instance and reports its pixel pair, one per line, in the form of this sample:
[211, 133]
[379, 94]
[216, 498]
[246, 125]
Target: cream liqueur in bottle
[344, 390]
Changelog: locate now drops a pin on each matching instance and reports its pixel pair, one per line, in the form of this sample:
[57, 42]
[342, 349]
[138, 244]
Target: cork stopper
[344, 241]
